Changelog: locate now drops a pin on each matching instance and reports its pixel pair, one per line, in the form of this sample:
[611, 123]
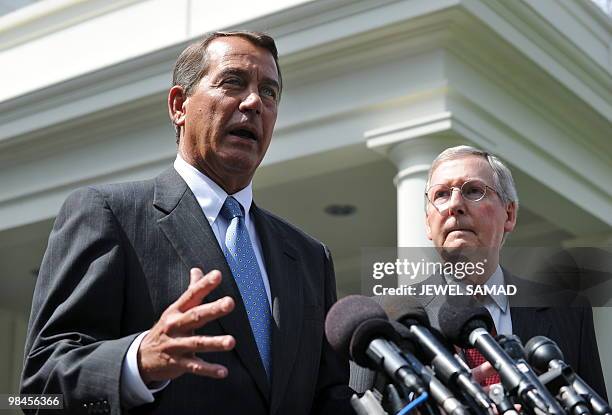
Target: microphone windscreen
[540, 351]
[363, 335]
[345, 316]
[405, 309]
[457, 322]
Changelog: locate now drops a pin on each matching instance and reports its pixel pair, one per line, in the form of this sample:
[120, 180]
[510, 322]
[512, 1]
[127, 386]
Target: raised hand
[168, 349]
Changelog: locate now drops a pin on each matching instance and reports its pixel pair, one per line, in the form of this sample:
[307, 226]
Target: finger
[200, 315]
[201, 344]
[195, 274]
[199, 367]
[480, 373]
[197, 291]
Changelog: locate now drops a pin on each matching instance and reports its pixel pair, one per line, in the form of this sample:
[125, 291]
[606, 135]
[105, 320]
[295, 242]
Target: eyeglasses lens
[472, 190]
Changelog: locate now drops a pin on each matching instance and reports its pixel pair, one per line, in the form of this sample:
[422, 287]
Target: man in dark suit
[472, 205]
[178, 294]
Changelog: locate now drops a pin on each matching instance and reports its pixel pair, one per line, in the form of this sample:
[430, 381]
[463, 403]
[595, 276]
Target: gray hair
[502, 177]
[192, 64]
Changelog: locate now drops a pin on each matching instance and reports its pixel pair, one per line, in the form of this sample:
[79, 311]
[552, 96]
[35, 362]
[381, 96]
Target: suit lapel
[287, 301]
[189, 232]
[526, 321]
[530, 321]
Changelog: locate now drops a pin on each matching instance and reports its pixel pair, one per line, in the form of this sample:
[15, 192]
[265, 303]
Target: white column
[412, 154]
[413, 159]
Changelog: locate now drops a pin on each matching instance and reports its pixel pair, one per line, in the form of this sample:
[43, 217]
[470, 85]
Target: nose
[252, 102]
[456, 203]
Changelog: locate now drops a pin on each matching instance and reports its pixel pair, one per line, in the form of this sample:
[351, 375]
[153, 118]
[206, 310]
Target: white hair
[502, 177]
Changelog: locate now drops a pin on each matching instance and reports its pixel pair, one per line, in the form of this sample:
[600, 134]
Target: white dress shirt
[210, 197]
[497, 305]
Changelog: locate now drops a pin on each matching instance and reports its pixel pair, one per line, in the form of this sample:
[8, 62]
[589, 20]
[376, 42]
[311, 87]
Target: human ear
[176, 105]
[510, 223]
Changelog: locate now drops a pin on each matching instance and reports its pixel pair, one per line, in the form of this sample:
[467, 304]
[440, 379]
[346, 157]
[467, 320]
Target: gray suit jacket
[119, 255]
[570, 327]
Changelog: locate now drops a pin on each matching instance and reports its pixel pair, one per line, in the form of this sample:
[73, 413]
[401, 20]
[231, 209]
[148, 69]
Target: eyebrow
[462, 183]
[240, 72]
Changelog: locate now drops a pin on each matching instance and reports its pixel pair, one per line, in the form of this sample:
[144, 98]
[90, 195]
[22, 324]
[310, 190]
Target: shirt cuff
[134, 392]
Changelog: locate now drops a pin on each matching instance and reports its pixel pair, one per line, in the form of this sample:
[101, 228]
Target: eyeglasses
[440, 195]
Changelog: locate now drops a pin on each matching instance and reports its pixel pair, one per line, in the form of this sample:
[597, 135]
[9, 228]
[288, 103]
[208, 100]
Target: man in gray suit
[179, 294]
[472, 205]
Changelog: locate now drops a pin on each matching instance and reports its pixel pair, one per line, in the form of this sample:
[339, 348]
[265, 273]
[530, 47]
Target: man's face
[229, 117]
[464, 223]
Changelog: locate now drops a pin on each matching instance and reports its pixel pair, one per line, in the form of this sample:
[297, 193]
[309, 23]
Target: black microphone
[546, 357]
[469, 327]
[513, 346]
[408, 312]
[440, 393]
[357, 327]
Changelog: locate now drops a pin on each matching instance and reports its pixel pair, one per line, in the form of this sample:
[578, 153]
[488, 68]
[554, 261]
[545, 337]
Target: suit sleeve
[589, 368]
[333, 394]
[74, 345]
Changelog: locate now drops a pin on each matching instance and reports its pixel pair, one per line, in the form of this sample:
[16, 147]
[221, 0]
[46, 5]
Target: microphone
[513, 346]
[440, 393]
[546, 357]
[469, 327]
[357, 327]
[502, 402]
[368, 404]
[409, 313]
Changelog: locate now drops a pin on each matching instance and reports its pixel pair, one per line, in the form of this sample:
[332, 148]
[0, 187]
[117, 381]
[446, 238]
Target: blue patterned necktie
[241, 259]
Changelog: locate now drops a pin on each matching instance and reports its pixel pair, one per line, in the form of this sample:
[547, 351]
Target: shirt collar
[210, 195]
[495, 280]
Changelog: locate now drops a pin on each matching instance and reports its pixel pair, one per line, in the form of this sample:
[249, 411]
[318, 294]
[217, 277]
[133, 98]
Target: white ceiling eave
[314, 31]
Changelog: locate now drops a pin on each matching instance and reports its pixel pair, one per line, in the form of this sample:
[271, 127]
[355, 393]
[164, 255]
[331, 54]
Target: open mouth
[460, 230]
[244, 133]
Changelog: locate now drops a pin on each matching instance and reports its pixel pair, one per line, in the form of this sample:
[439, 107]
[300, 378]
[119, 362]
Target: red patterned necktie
[474, 358]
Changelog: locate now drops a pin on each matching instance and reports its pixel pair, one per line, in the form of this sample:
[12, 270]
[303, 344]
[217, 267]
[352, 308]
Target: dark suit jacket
[119, 255]
[571, 327]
